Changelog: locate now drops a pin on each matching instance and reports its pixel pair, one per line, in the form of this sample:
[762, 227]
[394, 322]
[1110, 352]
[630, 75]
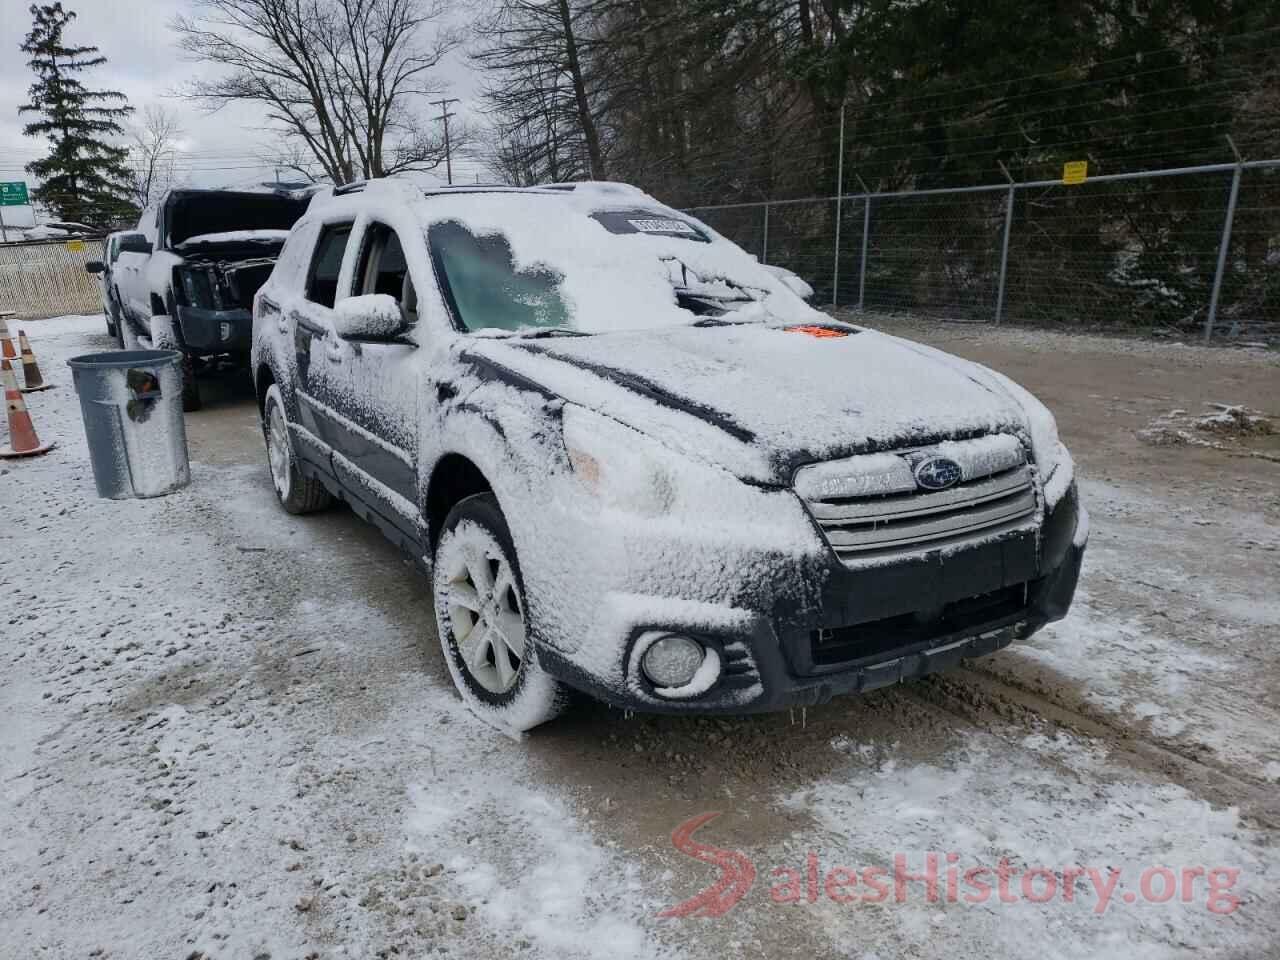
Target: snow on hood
[761, 400]
[235, 236]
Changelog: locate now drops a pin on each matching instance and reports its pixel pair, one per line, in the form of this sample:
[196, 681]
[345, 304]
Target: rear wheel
[481, 620]
[297, 494]
[116, 323]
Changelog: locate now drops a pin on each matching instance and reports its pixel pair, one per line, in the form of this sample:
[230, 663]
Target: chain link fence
[47, 278]
[1143, 249]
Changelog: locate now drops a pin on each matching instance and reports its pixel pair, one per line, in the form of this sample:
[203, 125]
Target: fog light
[672, 661]
[224, 329]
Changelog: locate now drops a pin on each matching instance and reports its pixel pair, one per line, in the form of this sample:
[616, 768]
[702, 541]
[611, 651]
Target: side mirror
[372, 316]
[135, 243]
[95, 266]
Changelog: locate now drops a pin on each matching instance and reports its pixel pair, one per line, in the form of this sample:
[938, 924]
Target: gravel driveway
[229, 733]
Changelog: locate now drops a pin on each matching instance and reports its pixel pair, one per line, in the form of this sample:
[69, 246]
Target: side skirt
[412, 547]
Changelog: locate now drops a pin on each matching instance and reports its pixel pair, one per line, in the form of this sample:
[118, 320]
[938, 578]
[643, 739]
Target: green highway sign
[13, 194]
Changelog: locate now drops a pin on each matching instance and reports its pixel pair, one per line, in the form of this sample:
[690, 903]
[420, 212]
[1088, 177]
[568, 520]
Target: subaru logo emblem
[937, 473]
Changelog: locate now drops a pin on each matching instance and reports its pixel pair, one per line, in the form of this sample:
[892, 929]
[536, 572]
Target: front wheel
[482, 622]
[127, 336]
[297, 494]
[164, 338]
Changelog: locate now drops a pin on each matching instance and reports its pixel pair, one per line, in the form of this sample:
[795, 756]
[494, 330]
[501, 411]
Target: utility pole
[444, 116]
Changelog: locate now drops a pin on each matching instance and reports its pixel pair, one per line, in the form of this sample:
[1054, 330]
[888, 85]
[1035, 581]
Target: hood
[235, 243]
[763, 400]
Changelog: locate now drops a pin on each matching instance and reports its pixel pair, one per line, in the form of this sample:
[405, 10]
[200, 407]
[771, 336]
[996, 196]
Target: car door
[132, 271]
[310, 319]
[110, 287]
[373, 386]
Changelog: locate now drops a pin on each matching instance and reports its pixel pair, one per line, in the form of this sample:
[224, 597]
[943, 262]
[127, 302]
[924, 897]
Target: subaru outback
[636, 464]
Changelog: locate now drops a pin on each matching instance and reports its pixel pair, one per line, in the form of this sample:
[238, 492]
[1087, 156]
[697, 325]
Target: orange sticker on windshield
[821, 333]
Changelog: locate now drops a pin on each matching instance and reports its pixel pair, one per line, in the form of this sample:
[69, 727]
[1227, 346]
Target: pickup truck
[186, 276]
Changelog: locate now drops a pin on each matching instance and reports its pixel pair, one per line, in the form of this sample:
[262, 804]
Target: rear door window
[326, 264]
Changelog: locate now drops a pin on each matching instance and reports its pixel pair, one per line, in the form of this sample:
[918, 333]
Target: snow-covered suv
[637, 464]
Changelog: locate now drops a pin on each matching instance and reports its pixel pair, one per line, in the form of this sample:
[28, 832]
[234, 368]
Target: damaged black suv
[187, 275]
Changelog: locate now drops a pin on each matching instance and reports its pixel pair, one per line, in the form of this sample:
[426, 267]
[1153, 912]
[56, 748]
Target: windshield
[530, 264]
[484, 289]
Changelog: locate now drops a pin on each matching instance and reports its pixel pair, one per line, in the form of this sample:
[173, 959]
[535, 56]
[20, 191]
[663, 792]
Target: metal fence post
[764, 244]
[1225, 244]
[1004, 245]
[835, 269]
[866, 232]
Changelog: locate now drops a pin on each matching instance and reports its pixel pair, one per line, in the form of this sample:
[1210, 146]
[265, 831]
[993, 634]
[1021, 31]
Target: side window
[113, 249]
[322, 281]
[383, 269]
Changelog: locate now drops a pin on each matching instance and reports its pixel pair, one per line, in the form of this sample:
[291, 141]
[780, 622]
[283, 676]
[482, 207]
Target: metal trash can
[131, 403]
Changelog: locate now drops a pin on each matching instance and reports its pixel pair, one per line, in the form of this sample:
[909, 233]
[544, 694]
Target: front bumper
[872, 627]
[215, 331]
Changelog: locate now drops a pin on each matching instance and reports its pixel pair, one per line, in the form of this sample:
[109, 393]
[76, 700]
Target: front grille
[881, 639]
[997, 493]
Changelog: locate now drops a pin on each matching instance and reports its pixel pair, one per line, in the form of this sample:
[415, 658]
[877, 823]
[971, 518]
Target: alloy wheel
[278, 454]
[485, 614]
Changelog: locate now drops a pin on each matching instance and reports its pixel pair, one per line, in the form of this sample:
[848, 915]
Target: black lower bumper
[881, 625]
[984, 624]
[215, 331]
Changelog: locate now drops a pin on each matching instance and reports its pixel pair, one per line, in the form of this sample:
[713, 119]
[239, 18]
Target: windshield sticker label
[663, 226]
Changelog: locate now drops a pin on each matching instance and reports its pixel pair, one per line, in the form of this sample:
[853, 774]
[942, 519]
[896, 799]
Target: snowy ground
[229, 733]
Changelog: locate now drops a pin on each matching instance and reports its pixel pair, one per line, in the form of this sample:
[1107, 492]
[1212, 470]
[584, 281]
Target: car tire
[116, 323]
[163, 338]
[481, 620]
[129, 339]
[297, 494]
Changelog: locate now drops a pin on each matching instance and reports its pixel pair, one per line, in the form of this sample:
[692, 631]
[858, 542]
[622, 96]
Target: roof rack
[355, 186]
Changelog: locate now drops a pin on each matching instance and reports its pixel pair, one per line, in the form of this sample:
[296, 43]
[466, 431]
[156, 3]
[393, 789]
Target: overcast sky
[143, 62]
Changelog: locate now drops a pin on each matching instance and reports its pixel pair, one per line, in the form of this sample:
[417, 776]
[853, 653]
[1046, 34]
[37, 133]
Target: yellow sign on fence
[1074, 172]
[75, 246]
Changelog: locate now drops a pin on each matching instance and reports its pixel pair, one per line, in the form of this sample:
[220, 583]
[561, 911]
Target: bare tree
[292, 161]
[347, 79]
[153, 151]
[538, 91]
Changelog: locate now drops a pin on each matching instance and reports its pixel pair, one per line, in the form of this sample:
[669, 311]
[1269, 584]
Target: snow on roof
[610, 280]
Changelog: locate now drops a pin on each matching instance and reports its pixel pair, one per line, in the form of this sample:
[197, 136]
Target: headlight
[189, 287]
[621, 466]
[1052, 459]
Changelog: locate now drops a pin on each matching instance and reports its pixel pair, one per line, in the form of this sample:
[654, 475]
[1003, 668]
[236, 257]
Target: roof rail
[355, 186]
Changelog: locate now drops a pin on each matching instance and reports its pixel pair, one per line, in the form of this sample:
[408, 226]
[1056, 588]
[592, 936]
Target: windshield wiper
[542, 332]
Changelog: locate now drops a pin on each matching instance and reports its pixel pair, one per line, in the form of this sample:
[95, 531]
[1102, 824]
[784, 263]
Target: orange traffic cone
[30, 369]
[23, 441]
[6, 341]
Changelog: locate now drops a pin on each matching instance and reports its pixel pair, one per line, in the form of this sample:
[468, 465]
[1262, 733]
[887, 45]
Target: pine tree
[84, 178]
